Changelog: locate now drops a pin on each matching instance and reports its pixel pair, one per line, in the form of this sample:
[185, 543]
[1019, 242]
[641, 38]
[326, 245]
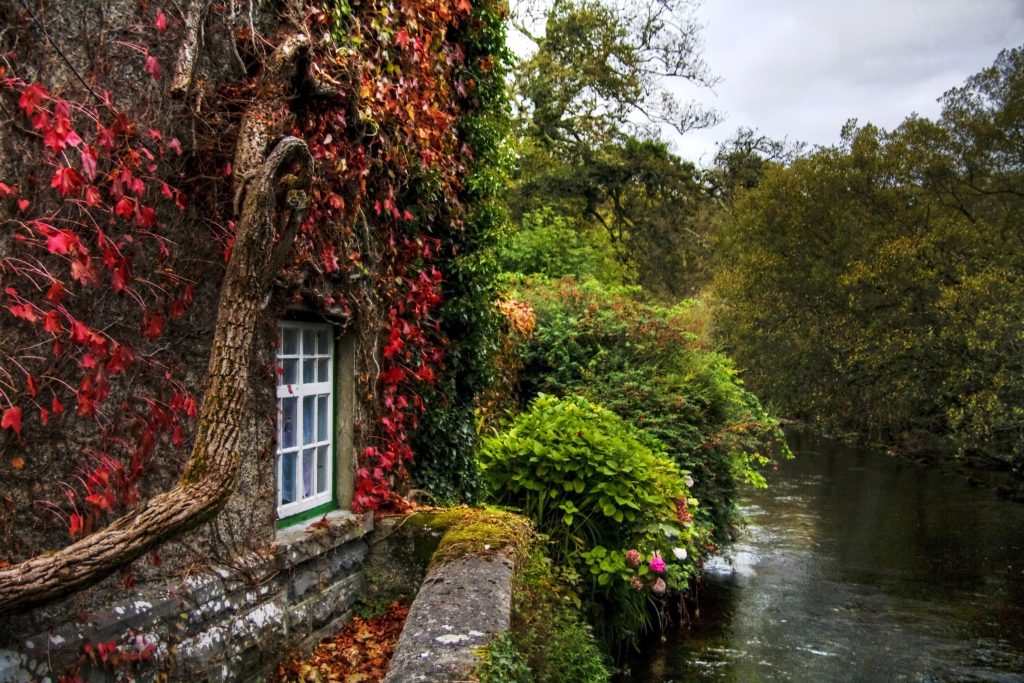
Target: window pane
[291, 341]
[321, 469]
[287, 482]
[308, 342]
[308, 371]
[308, 415]
[322, 374]
[321, 418]
[308, 460]
[290, 374]
[288, 406]
[323, 342]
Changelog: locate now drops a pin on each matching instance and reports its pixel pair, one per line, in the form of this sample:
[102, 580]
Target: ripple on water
[858, 567]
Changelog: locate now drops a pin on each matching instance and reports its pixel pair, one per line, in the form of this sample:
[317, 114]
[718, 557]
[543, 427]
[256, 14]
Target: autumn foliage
[120, 222]
[359, 653]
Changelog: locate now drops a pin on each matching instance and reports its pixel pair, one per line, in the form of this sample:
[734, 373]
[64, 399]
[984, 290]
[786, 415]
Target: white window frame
[313, 405]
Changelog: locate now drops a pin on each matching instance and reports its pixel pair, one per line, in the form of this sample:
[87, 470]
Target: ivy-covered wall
[123, 157]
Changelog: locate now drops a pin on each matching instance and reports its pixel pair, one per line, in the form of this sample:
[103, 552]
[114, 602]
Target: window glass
[305, 394]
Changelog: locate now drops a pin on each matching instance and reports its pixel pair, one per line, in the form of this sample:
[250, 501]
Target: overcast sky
[801, 68]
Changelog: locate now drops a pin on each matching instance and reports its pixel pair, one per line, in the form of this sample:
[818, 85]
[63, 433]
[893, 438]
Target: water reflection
[859, 567]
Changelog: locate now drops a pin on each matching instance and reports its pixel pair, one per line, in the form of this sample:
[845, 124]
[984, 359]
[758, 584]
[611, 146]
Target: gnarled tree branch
[184, 69]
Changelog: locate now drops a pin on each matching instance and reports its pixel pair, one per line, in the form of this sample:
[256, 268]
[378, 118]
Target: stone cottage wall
[216, 624]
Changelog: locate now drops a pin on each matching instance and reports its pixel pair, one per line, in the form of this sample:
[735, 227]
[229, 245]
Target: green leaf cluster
[596, 486]
[549, 642]
[649, 364]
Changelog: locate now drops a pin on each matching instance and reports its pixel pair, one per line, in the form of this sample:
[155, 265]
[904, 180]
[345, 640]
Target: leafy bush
[548, 243]
[502, 662]
[647, 363]
[549, 642]
[599, 489]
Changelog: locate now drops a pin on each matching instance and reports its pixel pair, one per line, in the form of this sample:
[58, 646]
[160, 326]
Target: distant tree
[600, 63]
[878, 285]
[741, 160]
[590, 103]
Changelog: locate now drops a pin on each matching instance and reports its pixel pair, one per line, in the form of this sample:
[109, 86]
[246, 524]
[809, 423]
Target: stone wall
[216, 624]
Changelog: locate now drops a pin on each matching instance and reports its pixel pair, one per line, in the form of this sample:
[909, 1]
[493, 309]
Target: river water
[856, 566]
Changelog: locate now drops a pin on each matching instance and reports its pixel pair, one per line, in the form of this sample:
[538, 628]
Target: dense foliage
[607, 500]
[119, 212]
[648, 364]
[876, 286]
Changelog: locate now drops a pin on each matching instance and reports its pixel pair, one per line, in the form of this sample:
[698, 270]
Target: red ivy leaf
[66, 180]
[12, 419]
[60, 241]
[105, 138]
[75, 525]
[89, 158]
[31, 97]
[51, 322]
[55, 293]
[330, 260]
[92, 196]
[160, 22]
[153, 67]
[82, 270]
[31, 386]
[23, 311]
[120, 359]
[152, 325]
[125, 207]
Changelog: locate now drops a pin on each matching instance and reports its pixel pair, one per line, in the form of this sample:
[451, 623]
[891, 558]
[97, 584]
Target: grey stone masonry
[215, 625]
[462, 604]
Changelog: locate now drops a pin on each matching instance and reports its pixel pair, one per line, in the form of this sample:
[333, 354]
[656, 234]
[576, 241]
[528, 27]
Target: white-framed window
[305, 417]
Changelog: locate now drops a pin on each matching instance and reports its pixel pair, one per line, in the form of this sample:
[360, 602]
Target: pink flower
[633, 558]
[659, 587]
[636, 583]
[657, 564]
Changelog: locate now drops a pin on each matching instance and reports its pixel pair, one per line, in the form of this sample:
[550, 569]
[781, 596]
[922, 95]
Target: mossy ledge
[476, 531]
[465, 599]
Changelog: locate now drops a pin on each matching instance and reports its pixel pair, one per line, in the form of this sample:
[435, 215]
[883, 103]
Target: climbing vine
[393, 190]
[86, 261]
[106, 251]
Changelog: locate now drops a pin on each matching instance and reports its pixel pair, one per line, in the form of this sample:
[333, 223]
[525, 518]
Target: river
[857, 566]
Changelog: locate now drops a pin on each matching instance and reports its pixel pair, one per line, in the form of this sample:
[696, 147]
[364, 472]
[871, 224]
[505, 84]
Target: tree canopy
[877, 285]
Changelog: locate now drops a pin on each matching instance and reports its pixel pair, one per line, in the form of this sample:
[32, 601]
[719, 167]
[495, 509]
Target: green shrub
[550, 641]
[608, 498]
[502, 662]
[648, 364]
[550, 244]
[556, 640]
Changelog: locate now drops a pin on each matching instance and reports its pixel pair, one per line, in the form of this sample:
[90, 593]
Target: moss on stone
[484, 530]
[475, 531]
